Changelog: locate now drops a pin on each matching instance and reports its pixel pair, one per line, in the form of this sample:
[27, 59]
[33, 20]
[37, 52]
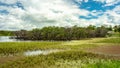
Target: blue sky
[24, 14]
[92, 5]
[96, 5]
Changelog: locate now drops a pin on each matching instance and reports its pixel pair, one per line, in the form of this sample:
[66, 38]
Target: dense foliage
[117, 28]
[62, 33]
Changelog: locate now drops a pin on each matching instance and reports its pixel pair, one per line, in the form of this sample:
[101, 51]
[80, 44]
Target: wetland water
[11, 39]
[41, 52]
[7, 39]
[28, 53]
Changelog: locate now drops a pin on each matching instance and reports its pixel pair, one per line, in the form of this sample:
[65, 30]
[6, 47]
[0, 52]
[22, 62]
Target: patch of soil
[106, 50]
[8, 58]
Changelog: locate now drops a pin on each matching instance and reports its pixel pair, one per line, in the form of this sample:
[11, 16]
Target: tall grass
[20, 47]
[104, 64]
[67, 59]
[7, 48]
[71, 58]
[116, 34]
[110, 40]
[16, 47]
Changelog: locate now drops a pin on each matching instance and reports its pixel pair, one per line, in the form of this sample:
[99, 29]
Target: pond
[7, 39]
[40, 52]
[11, 39]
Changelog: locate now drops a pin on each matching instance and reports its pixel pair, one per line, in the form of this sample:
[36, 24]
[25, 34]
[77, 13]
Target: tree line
[62, 33]
[116, 28]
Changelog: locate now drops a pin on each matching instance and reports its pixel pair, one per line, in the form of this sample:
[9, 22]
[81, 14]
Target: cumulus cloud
[109, 2]
[110, 17]
[53, 12]
[40, 13]
[8, 1]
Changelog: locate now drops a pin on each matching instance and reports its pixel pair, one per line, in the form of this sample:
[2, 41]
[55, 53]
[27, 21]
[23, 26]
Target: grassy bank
[67, 59]
[73, 56]
[18, 47]
[114, 40]
[6, 33]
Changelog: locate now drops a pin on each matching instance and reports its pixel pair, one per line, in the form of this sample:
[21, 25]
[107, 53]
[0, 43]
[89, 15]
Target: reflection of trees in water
[6, 39]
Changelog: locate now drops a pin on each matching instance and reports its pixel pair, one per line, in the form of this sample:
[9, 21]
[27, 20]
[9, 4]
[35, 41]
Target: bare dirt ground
[113, 51]
[9, 58]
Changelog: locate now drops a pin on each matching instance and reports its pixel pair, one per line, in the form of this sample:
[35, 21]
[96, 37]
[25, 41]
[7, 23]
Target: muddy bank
[106, 50]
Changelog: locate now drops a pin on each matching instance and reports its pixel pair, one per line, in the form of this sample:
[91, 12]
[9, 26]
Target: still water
[41, 52]
[28, 53]
[7, 39]
[11, 39]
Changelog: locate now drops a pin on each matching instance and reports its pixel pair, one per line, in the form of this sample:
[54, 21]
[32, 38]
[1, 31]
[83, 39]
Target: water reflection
[39, 52]
[11, 39]
[7, 39]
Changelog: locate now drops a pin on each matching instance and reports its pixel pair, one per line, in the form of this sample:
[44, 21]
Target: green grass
[72, 57]
[116, 34]
[20, 47]
[6, 33]
[17, 47]
[110, 40]
[104, 64]
[89, 63]
[67, 59]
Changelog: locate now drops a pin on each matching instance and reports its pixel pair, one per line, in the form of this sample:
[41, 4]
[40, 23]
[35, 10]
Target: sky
[30, 14]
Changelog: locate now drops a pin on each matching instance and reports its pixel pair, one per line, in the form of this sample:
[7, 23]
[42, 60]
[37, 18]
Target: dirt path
[106, 50]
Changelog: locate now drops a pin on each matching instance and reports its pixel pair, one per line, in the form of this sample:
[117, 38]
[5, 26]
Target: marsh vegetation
[77, 53]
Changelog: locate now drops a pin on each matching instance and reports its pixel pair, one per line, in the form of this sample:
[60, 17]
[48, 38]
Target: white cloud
[13, 20]
[40, 13]
[108, 2]
[112, 3]
[59, 12]
[86, 0]
[9, 1]
[110, 17]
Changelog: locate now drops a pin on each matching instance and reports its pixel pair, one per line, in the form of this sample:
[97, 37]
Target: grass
[89, 63]
[67, 59]
[110, 40]
[6, 33]
[116, 34]
[72, 57]
[104, 64]
[17, 47]
[7, 48]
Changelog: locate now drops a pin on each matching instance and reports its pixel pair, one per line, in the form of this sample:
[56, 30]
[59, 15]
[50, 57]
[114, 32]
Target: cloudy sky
[29, 14]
